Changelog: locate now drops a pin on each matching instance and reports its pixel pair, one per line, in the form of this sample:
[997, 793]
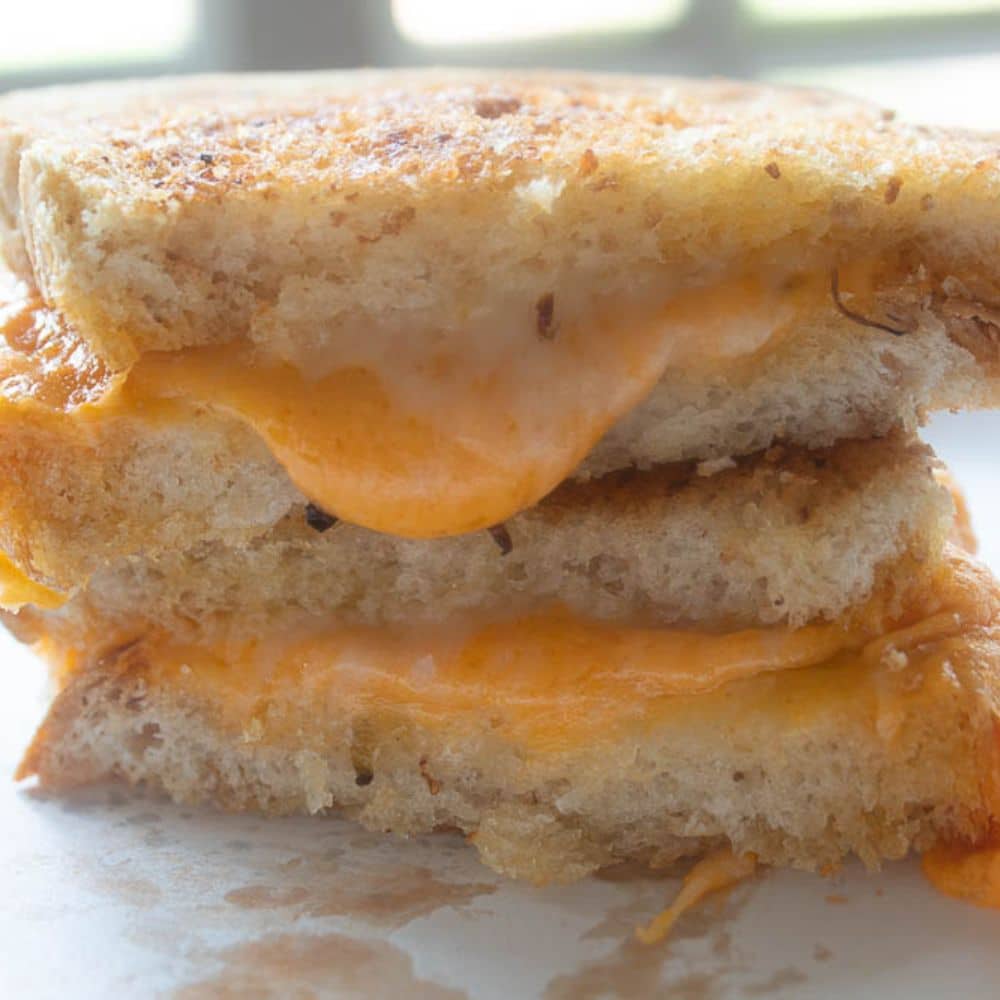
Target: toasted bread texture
[296, 211]
[873, 753]
[157, 215]
[784, 536]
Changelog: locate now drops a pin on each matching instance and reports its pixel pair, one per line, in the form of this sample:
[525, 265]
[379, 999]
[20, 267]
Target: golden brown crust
[230, 187]
[214, 137]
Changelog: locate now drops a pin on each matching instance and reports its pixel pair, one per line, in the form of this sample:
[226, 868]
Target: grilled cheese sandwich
[531, 455]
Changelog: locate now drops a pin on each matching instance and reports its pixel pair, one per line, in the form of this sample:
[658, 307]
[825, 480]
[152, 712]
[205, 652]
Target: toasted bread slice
[785, 536]
[502, 280]
[168, 213]
[557, 765]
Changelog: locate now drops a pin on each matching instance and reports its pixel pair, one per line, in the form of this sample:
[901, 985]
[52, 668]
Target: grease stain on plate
[308, 965]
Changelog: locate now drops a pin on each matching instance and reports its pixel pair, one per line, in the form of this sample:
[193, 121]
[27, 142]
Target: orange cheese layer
[17, 589]
[971, 874]
[418, 433]
[548, 679]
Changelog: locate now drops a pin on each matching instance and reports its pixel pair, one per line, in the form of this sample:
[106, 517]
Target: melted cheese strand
[717, 871]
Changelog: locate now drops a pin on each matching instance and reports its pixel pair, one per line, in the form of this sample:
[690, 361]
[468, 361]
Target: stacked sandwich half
[532, 456]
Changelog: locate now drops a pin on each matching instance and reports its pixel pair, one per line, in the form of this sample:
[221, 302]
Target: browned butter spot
[393, 898]
[265, 897]
[134, 891]
[305, 965]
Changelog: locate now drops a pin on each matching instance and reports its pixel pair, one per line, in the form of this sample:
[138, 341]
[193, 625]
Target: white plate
[108, 894]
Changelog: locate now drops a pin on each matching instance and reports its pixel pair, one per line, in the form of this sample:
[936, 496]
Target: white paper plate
[109, 894]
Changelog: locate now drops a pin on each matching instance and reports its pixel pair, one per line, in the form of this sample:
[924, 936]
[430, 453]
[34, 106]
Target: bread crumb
[500, 535]
[542, 192]
[713, 465]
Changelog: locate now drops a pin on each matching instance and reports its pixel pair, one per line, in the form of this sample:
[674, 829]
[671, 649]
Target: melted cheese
[971, 874]
[17, 590]
[418, 433]
[717, 871]
[43, 365]
[442, 432]
[549, 679]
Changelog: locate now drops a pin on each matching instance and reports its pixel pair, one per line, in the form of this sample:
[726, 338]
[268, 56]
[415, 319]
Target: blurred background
[931, 60]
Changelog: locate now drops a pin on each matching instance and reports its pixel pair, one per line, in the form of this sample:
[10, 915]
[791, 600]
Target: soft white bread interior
[784, 536]
[832, 380]
[875, 752]
[74, 500]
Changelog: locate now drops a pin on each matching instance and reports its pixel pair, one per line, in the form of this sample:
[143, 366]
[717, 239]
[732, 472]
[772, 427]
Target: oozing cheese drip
[418, 433]
[717, 871]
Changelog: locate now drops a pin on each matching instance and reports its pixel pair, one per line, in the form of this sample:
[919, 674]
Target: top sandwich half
[435, 295]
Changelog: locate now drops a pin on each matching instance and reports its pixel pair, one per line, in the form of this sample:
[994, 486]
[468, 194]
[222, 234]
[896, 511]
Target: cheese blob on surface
[971, 874]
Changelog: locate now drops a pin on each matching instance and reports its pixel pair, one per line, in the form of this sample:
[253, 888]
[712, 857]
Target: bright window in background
[959, 90]
[469, 22]
[844, 10]
[38, 34]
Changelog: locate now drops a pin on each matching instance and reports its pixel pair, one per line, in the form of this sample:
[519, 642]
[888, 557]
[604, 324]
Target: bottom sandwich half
[561, 744]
